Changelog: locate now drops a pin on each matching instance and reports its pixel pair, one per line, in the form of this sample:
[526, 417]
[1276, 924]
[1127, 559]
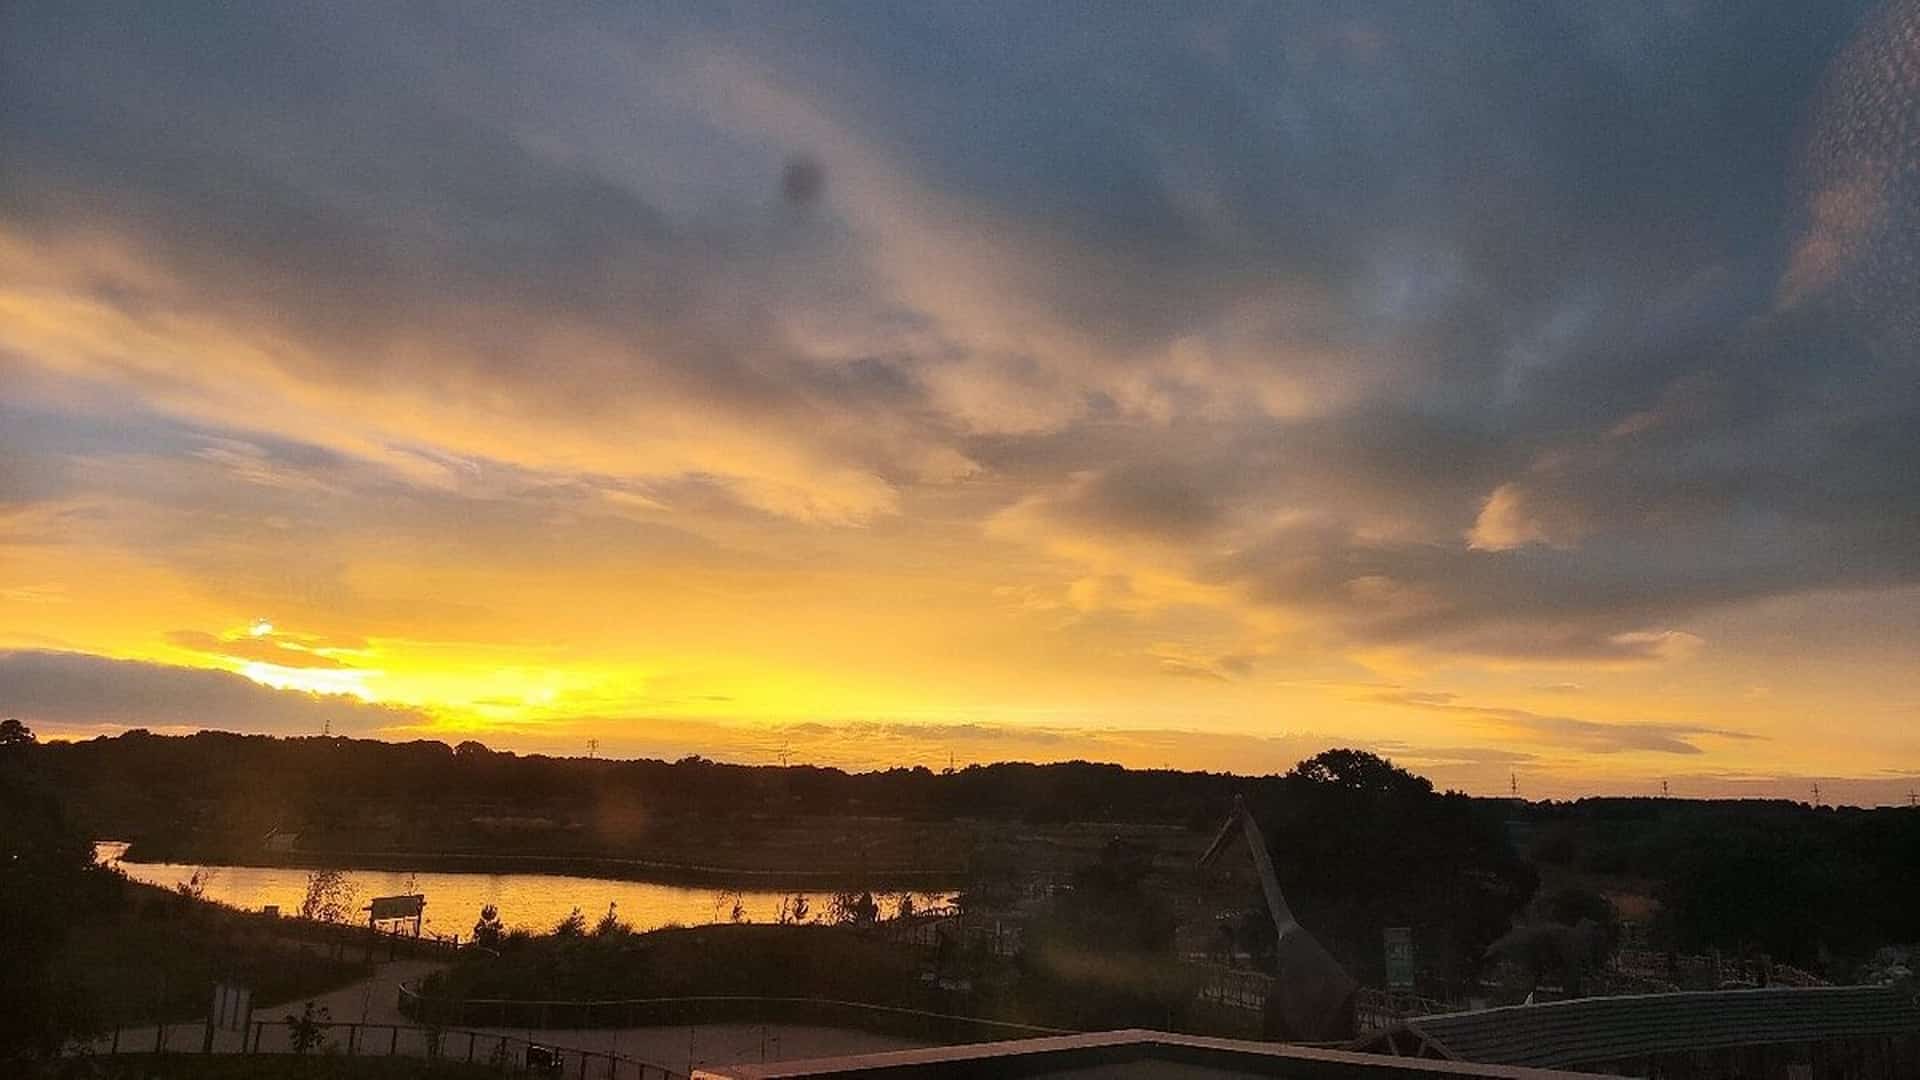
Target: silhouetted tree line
[1810, 886]
[1359, 844]
[139, 784]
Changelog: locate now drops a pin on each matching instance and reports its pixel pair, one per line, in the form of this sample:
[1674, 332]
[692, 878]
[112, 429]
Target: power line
[593, 749]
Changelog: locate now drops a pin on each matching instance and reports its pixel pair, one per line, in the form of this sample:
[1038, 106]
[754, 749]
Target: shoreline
[603, 867]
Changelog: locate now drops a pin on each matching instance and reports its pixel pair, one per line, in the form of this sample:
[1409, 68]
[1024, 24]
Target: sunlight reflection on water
[533, 901]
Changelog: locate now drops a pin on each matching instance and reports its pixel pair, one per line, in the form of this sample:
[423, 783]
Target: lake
[533, 901]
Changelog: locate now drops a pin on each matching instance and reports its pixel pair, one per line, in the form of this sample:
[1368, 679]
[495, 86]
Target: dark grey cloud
[1567, 733]
[69, 690]
[1640, 280]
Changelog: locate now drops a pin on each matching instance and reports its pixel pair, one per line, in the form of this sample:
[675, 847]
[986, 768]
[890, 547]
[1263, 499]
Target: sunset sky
[1520, 390]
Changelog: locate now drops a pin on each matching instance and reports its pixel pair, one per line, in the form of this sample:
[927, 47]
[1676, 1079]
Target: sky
[1526, 391]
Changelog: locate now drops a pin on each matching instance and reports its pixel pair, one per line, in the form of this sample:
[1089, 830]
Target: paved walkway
[374, 1000]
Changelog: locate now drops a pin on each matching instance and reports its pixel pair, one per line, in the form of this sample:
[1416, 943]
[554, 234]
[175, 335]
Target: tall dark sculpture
[1312, 998]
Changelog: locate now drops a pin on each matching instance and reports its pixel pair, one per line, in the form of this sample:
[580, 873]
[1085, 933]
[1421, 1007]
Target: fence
[928, 929]
[1374, 1009]
[1235, 988]
[503, 1051]
[1712, 971]
[931, 1027]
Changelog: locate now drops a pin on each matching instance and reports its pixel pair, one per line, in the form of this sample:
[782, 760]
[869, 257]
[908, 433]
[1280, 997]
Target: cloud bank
[1228, 342]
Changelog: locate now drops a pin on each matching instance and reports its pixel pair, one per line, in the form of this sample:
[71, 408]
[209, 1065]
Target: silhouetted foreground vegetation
[154, 955]
[82, 948]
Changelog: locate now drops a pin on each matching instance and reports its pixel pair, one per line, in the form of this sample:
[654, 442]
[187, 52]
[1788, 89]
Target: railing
[685, 1011]
[1235, 988]
[1374, 1008]
[1710, 971]
[926, 929]
[278, 1037]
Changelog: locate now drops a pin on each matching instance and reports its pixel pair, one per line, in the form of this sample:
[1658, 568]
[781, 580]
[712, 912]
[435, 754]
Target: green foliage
[573, 926]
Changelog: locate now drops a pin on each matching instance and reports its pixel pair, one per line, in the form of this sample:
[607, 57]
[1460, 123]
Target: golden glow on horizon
[621, 439]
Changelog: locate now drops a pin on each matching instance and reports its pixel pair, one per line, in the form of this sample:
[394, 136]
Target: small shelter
[391, 914]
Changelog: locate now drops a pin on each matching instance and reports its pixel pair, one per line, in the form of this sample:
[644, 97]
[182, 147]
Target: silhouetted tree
[793, 910]
[307, 1031]
[610, 924]
[853, 909]
[488, 929]
[329, 896]
[1361, 844]
[195, 887]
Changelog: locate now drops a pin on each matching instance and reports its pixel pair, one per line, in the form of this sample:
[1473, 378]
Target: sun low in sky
[1529, 393]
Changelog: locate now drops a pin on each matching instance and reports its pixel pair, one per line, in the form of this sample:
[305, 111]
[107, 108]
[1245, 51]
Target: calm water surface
[533, 901]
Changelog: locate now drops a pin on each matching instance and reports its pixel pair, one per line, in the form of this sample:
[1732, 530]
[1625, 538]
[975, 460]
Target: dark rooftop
[1117, 1055]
